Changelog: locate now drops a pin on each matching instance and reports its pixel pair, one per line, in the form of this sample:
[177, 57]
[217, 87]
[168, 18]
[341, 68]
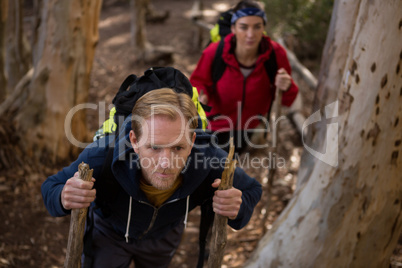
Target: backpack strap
[206, 221]
[88, 240]
[106, 185]
[218, 64]
[122, 100]
[221, 27]
[271, 67]
[157, 82]
[126, 83]
[106, 189]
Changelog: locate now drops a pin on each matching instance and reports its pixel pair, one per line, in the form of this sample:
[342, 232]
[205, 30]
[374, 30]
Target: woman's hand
[283, 80]
[203, 98]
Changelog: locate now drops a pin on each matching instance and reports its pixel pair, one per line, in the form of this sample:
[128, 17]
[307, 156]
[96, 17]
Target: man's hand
[77, 193]
[283, 80]
[226, 202]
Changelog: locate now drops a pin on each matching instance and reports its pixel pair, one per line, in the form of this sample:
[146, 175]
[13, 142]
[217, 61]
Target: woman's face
[248, 31]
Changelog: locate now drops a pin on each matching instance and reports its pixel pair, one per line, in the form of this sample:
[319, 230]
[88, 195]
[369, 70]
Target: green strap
[109, 126]
[200, 110]
[214, 34]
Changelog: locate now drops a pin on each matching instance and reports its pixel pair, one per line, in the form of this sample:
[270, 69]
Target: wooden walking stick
[219, 235]
[274, 150]
[77, 225]
[277, 110]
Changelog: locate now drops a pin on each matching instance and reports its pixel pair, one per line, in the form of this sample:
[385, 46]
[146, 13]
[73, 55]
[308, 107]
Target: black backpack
[134, 87]
[221, 27]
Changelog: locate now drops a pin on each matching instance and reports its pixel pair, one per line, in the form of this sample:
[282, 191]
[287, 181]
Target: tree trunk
[335, 53]
[3, 19]
[18, 54]
[349, 214]
[145, 52]
[63, 53]
[138, 30]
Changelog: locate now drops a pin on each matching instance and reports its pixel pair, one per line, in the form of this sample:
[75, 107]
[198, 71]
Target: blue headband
[250, 11]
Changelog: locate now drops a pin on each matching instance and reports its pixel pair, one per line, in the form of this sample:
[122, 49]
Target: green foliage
[307, 20]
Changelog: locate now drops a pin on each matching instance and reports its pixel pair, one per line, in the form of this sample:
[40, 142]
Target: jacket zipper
[155, 214]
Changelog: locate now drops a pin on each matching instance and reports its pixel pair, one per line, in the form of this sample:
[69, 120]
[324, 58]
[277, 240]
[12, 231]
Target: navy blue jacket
[204, 165]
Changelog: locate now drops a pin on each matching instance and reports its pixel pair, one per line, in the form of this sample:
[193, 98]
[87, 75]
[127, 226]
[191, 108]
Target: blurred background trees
[43, 80]
[303, 24]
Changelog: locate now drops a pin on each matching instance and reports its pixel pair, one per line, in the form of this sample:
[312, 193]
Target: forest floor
[30, 237]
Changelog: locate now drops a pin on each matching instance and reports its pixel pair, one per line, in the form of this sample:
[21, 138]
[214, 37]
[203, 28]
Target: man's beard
[163, 183]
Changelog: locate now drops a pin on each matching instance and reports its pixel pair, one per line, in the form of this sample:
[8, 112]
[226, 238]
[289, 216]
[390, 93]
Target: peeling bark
[18, 52]
[336, 49]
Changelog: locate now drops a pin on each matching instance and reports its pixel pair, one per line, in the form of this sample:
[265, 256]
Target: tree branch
[75, 242]
[8, 105]
[219, 235]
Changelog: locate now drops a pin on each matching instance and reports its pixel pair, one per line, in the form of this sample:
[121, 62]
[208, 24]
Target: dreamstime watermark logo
[328, 156]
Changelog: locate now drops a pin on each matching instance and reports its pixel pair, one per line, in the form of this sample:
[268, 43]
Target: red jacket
[228, 101]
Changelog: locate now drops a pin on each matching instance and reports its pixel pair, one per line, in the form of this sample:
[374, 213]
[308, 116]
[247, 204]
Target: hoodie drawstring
[128, 219]
[185, 217]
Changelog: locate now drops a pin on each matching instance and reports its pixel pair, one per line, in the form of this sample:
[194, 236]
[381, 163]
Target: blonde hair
[164, 101]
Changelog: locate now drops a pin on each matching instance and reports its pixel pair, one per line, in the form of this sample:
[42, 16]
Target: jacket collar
[229, 57]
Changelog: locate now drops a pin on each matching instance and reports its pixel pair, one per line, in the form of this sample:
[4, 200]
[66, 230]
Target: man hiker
[164, 166]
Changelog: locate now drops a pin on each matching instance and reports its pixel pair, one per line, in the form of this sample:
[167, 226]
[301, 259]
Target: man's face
[163, 149]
